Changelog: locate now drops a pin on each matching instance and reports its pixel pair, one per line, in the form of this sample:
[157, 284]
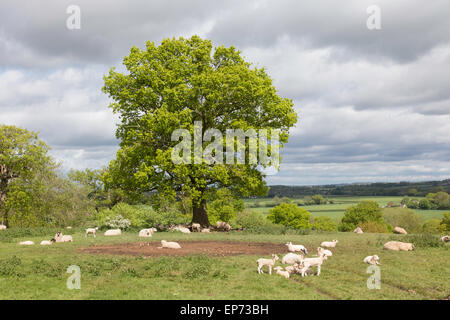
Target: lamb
[358, 231]
[296, 248]
[220, 225]
[113, 232]
[400, 230]
[266, 262]
[313, 262]
[196, 227]
[169, 245]
[326, 252]
[293, 269]
[280, 271]
[26, 243]
[47, 242]
[445, 239]
[329, 244]
[398, 246]
[91, 230]
[206, 230]
[3, 227]
[372, 259]
[292, 258]
[59, 237]
[147, 232]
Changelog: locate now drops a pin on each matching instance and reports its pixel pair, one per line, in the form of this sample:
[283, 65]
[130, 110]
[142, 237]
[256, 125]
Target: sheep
[59, 237]
[147, 232]
[372, 259]
[47, 242]
[329, 244]
[326, 252]
[292, 258]
[398, 246]
[296, 248]
[358, 231]
[293, 269]
[266, 262]
[400, 230]
[3, 227]
[91, 230]
[313, 262]
[169, 245]
[69, 227]
[113, 232]
[280, 271]
[445, 239]
[196, 227]
[180, 228]
[26, 243]
[220, 225]
[206, 230]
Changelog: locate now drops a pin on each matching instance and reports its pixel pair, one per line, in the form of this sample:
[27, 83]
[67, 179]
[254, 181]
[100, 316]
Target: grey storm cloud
[374, 105]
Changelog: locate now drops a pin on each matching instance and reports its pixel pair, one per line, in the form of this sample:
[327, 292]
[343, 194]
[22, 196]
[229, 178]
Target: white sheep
[180, 228]
[329, 244]
[220, 225]
[326, 252]
[398, 246]
[296, 248]
[59, 237]
[196, 227]
[206, 230]
[372, 259]
[91, 230]
[445, 239]
[47, 242]
[293, 269]
[280, 271]
[292, 258]
[400, 230]
[113, 232]
[147, 232]
[26, 243]
[313, 262]
[3, 227]
[169, 245]
[358, 231]
[266, 262]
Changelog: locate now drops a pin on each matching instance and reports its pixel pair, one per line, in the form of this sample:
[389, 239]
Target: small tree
[363, 212]
[318, 199]
[290, 215]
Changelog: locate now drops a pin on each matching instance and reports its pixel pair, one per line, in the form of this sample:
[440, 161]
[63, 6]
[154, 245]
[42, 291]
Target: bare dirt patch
[211, 248]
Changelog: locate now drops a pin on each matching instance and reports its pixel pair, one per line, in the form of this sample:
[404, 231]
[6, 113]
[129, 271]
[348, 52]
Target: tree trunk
[200, 215]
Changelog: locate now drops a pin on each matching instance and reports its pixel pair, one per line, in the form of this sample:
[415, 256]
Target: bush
[324, 224]
[374, 227]
[224, 206]
[405, 218]
[445, 222]
[366, 211]
[117, 222]
[249, 219]
[433, 226]
[290, 215]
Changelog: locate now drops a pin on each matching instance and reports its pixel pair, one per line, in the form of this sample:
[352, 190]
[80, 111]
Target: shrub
[433, 226]
[405, 218]
[374, 227]
[224, 206]
[249, 219]
[445, 222]
[366, 211]
[290, 215]
[324, 224]
[117, 222]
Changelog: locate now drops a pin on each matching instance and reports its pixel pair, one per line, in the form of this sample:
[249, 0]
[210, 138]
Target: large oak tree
[170, 86]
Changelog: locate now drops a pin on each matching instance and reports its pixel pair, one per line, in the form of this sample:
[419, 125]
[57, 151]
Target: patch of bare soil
[211, 248]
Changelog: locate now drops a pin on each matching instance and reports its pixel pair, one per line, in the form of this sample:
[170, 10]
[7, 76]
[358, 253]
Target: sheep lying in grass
[358, 231]
[59, 237]
[292, 258]
[296, 248]
[113, 232]
[400, 230]
[206, 230]
[223, 226]
[2, 227]
[91, 231]
[147, 232]
[169, 245]
[295, 268]
[329, 244]
[326, 252]
[372, 259]
[196, 227]
[398, 246]
[313, 262]
[180, 228]
[26, 243]
[48, 242]
[266, 262]
[445, 239]
[280, 271]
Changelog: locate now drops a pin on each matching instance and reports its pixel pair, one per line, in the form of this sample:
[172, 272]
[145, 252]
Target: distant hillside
[367, 189]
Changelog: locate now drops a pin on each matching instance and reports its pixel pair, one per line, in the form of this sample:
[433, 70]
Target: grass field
[38, 272]
[336, 210]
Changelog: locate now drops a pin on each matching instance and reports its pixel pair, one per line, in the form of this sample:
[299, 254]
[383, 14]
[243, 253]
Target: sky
[373, 104]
